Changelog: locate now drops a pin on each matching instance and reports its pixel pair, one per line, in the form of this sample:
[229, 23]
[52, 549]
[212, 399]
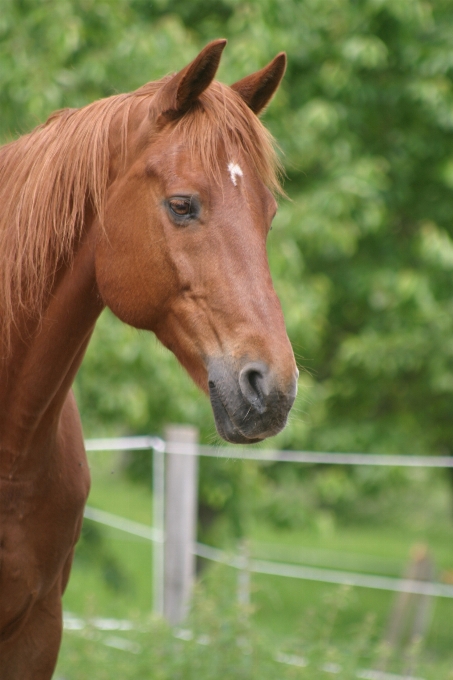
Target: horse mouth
[247, 405]
[224, 422]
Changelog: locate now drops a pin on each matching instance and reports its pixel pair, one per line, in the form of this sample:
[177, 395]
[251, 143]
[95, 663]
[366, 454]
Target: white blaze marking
[235, 171]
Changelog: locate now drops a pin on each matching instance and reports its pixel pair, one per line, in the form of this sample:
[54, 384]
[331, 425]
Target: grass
[221, 640]
[321, 623]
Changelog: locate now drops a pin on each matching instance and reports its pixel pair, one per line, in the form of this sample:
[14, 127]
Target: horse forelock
[221, 118]
[48, 176]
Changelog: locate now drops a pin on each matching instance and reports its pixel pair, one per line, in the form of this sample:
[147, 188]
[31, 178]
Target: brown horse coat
[156, 204]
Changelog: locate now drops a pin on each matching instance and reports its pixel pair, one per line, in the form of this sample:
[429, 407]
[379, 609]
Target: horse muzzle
[249, 401]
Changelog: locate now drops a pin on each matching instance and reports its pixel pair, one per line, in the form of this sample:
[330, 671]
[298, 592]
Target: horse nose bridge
[269, 348]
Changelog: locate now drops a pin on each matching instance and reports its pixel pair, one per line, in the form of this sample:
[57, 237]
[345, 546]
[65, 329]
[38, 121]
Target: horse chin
[234, 436]
[224, 424]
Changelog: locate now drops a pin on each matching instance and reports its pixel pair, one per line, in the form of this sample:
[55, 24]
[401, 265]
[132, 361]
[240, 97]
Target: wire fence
[270, 455]
[157, 533]
[273, 568]
[169, 456]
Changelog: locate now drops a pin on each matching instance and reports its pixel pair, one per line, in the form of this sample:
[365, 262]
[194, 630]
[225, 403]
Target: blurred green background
[361, 254]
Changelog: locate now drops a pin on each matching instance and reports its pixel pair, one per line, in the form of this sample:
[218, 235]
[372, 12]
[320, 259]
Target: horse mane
[49, 176]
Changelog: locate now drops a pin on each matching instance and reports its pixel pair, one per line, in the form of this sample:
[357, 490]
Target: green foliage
[362, 256]
[56, 53]
[129, 383]
[92, 549]
[359, 497]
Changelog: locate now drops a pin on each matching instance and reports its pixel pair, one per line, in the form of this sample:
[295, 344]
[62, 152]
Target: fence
[174, 514]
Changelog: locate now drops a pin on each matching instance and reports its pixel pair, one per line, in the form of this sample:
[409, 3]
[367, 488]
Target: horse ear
[258, 89]
[184, 88]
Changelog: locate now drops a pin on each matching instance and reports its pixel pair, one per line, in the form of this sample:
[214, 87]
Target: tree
[362, 256]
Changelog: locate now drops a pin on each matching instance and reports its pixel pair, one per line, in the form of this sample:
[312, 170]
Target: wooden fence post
[410, 615]
[181, 495]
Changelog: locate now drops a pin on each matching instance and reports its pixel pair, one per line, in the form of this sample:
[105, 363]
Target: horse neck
[37, 377]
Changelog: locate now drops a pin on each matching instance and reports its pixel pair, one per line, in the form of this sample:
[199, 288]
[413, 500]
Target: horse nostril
[254, 380]
[253, 383]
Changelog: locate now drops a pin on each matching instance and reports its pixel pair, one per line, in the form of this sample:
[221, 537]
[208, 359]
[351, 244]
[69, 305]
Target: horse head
[182, 247]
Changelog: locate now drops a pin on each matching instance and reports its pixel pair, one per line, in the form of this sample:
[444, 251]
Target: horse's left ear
[258, 89]
[184, 88]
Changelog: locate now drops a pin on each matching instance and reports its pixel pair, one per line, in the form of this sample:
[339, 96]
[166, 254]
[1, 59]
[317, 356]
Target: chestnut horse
[157, 205]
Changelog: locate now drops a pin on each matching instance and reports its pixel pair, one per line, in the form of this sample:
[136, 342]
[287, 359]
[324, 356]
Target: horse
[157, 204]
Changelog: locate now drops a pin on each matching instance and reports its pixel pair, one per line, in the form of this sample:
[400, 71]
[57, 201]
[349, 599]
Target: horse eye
[180, 206]
[183, 210]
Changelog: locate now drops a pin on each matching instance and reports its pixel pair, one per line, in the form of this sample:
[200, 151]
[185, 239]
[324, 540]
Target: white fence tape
[270, 455]
[279, 568]
[123, 524]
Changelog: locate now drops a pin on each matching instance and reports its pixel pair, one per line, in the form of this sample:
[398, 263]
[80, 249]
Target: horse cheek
[127, 276]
